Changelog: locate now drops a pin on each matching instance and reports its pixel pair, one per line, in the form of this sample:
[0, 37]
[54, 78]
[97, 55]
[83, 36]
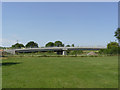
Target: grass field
[60, 72]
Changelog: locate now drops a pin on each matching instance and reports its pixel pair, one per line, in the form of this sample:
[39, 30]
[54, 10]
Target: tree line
[33, 44]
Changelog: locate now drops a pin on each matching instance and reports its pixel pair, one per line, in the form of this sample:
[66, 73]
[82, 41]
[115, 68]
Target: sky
[78, 23]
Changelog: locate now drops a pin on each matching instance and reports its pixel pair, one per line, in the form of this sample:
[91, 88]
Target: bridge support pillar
[64, 53]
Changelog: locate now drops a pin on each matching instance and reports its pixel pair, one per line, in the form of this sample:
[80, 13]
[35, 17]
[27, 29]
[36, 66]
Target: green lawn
[60, 72]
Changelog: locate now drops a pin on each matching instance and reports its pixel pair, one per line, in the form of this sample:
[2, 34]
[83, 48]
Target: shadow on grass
[9, 63]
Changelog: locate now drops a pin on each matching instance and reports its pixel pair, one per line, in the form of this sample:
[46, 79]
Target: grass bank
[60, 72]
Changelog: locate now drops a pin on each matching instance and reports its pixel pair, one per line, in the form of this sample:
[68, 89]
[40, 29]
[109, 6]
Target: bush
[112, 51]
[75, 52]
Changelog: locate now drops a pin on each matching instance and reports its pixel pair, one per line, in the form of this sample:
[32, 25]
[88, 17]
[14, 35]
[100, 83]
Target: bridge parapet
[65, 49]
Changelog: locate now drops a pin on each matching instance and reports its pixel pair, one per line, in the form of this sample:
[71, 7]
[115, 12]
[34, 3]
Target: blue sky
[82, 24]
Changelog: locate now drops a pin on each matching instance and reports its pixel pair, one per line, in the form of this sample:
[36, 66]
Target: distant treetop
[31, 44]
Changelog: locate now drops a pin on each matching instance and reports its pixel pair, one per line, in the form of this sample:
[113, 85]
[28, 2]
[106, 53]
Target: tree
[112, 45]
[112, 49]
[17, 45]
[49, 44]
[58, 44]
[31, 44]
[67, 45]
[72, 45]
[117, 34]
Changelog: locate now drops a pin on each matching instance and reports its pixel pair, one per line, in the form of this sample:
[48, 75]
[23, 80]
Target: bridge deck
[51, 49]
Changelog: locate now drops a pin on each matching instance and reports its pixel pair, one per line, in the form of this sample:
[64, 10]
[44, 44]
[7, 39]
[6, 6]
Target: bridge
[55, 49]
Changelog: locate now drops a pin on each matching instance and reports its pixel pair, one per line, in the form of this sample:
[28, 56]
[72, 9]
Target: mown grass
[60, 72]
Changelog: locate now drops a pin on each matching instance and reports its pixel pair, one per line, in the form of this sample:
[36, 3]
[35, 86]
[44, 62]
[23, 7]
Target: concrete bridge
[45, 49]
